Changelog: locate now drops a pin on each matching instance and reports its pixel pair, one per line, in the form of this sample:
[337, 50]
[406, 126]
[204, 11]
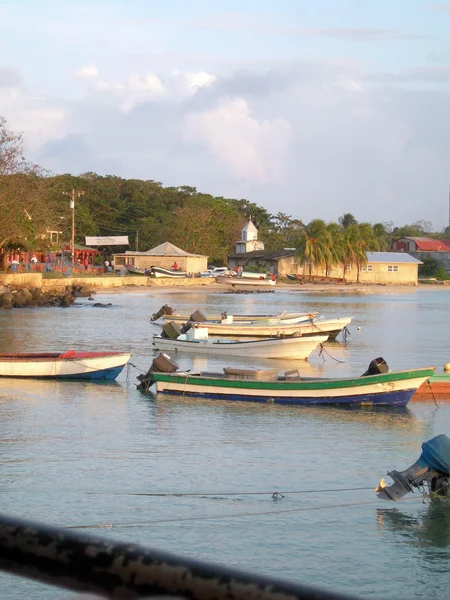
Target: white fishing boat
[330, 327]
[282, 318]
[160, 272]
[66, 365]
[299, 347]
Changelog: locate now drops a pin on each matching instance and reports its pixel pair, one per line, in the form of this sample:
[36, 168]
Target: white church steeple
[249, 241]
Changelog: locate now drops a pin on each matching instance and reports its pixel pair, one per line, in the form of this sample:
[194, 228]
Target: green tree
[347, 219]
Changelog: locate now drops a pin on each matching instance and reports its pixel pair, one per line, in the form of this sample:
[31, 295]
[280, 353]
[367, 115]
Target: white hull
[242, 282]
[322, 326]
[295, 348]
[287, 319]
[164, 273]
[81, 365]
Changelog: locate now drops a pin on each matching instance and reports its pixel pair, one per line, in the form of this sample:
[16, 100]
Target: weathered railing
[116, 569]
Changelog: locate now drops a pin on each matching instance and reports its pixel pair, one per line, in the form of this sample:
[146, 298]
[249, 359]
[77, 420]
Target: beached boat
[299, 348]
[330, 327]
[160, 272]
[251, 385]
[134, 270]
[436, 388]
[66, 365]
[245, 282]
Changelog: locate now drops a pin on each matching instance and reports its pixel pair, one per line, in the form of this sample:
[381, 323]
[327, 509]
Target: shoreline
[305, 288]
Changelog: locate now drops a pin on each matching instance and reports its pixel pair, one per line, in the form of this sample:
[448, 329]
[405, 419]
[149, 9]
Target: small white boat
[160, 272]
[134, 270]
[66, 365]
[282, 318]
[299, 348]
[246, 282]
[330, 327]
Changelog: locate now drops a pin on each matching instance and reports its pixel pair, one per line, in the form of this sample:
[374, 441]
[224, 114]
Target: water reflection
[399, 419]
[428, 529]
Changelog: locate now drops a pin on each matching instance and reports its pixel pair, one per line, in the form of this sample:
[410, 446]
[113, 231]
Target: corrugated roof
[429, 244]
[391, 257]
[164, 249]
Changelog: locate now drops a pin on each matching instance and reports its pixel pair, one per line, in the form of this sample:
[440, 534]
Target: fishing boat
[375, 387]
[245, 282]
[134, 270]
[436, 388]
[285, 318]
[66, 365]
[329, 327]
[168, 314]
[299, 348]
[160, 272]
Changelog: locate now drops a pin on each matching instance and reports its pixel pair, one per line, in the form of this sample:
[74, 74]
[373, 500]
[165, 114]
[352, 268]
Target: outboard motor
[161, 364]
[376, 367]
[164, 310]
[432, 468]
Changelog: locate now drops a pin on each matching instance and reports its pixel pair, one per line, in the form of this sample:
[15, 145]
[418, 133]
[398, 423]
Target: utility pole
[137, 241]
[72, 196]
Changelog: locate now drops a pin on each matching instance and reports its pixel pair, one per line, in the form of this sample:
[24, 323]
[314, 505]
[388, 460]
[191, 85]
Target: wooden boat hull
[285, 319]
[243, 282]
[389, 389]
[294, 348]
[70, 365]
[436, 388]
[330, 327]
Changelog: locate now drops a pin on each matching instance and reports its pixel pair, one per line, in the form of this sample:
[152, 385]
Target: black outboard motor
[376, 367]
[164, 310]
[161, 364]
[432, 468]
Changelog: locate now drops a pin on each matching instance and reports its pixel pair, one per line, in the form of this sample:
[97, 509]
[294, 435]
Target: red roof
[430, 245]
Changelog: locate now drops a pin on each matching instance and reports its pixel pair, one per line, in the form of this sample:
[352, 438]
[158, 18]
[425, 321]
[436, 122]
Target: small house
[164, 255]
[386, 267]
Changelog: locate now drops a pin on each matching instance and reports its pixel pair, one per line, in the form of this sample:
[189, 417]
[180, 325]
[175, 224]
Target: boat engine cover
[376, 367]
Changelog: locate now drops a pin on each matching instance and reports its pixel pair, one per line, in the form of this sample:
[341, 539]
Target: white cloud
[306, 137]
[250, 149]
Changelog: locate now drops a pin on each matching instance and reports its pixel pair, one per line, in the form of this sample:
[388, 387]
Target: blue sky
[309, 107]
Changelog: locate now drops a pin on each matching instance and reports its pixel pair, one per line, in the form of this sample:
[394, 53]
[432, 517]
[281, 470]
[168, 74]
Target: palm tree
[314, 247]
[336, 245]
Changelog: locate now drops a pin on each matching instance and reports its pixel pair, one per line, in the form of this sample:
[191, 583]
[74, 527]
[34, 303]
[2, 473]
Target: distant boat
[160, 272]
[66, 365]
[292, 347]
[251, 385]
[135, 270]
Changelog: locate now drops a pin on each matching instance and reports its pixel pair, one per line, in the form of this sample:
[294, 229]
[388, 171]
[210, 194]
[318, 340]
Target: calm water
[78, 453]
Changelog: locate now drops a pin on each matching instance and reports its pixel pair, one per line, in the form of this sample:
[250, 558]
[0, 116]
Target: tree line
[32, 203]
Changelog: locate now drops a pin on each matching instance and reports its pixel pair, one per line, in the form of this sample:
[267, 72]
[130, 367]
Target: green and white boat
[250, 385]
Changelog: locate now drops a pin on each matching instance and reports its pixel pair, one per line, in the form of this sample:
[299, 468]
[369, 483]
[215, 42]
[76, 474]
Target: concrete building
[164, 255]
[386, 267]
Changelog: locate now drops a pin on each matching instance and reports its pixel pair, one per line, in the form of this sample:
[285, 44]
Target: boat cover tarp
[436, 454]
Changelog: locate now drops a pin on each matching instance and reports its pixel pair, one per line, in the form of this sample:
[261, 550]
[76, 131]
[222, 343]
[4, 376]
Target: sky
[313, 108]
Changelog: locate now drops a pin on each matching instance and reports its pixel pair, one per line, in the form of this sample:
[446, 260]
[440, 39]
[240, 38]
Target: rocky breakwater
[23, 297]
